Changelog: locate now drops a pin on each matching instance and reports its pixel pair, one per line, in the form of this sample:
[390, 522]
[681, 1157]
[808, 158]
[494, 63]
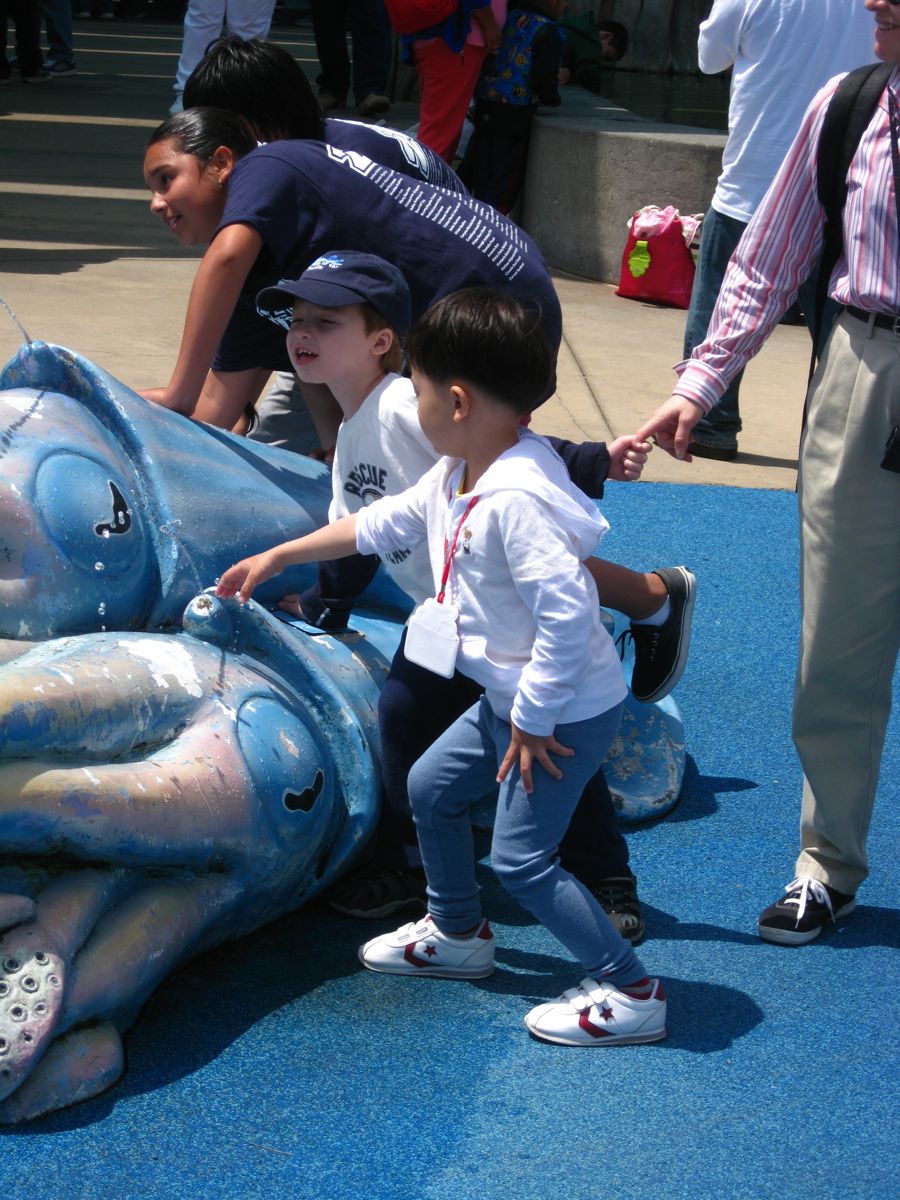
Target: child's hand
[248, 574]
[627, 456]
[490, 29]
[524, 748]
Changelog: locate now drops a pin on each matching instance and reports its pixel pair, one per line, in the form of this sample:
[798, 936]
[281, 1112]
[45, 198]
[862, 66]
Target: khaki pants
[850, 592]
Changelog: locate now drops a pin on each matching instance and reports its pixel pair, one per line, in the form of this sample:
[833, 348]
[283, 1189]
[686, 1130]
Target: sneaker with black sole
[661, 651]
[420, 948]
[58, 69]
[377, 891]
[619, 900]
[722, 447]
[803, 912]
[598, 1014]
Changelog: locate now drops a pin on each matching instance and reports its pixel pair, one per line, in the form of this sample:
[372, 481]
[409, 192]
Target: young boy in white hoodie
[515, 608]
[349, 309]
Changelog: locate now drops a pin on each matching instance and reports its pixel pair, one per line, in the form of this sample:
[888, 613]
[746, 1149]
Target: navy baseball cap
[338, 279]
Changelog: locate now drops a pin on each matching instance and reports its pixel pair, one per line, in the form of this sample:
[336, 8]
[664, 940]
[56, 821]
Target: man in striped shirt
[849, 504]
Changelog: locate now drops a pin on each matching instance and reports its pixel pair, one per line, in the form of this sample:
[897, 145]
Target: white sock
[659, 617]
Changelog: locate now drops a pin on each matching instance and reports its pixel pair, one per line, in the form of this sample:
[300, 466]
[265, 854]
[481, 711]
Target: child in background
[590, 46]
[448, 58]
[505, 532]
[381, 450]
[522, 74]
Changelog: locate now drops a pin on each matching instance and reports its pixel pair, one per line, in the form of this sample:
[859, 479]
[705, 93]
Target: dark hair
[201, 131]
[262, 82]
[619, 36]
[484, 337]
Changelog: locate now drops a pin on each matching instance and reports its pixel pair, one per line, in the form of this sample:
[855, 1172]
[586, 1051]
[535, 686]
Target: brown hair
[391, 360]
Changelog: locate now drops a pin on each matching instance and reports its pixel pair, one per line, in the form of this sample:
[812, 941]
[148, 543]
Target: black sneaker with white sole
[661, 651]
[376, 891]
[619, 900]
[803, 912]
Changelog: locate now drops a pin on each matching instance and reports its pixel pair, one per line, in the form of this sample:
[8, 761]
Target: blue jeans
[60, 40]
[458, 770]
[719, 239]
[720, 236]
[370, 33]
[414, 709]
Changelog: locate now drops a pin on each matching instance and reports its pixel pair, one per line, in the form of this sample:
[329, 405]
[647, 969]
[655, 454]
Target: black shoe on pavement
[619, 898]
[804, 911]
[57, 68]
[377, 891]
[722, 447]
[661, 651]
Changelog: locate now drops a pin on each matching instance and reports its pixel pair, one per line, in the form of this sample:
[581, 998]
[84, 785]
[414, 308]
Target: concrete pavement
[83, 263]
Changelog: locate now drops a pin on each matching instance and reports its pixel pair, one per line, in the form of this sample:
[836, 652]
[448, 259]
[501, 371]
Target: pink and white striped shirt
[782, 244]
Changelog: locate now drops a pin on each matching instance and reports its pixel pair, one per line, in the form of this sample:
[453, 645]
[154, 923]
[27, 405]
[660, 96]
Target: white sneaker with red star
[598, 1014]
[420, 948]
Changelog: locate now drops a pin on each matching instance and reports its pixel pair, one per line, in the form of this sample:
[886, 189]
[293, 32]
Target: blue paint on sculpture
[174, 771]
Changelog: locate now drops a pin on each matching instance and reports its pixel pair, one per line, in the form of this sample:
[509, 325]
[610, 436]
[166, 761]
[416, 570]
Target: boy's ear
[384, 339]
[462, 401]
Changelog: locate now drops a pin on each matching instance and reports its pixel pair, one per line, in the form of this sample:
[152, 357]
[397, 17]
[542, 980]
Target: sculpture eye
[291, 772]
[90, 514]
[88, 561]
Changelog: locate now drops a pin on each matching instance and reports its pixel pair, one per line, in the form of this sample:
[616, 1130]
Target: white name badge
[432, 639]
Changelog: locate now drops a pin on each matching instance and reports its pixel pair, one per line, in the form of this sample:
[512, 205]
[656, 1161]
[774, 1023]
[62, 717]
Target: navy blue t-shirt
[392, 149]
[306, 198]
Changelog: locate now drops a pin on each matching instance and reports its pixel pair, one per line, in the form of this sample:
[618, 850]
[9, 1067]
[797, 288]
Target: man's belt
[881, 320]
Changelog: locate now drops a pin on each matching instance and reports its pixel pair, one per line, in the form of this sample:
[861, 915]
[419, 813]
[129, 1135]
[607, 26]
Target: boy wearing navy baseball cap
[338, 296]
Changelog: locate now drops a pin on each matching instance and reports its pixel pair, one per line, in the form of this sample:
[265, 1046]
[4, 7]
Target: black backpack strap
[849, 112]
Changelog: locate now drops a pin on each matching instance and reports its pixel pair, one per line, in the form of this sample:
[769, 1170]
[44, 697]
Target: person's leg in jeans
[249, 19]
[203, 23]
[371, 36]
[719, 238]
[414, 709]
[60, 39]
[453, 774]
[330, 31]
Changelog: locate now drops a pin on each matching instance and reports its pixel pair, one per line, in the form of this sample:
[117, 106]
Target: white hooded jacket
[529, 623]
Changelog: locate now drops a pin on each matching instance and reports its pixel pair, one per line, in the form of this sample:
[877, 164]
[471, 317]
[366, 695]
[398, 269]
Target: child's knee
[424, 797]
[520, 876]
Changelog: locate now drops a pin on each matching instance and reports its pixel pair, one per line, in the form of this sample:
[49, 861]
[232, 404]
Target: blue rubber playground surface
[277, 1066]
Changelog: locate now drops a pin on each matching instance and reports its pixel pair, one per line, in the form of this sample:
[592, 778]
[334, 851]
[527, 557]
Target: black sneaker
[378, 891]
[723, 447]
[619, 899]
[661, 651]
[56, 68]
[806, 908]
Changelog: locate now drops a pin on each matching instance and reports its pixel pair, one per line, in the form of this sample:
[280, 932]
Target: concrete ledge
[592, 164]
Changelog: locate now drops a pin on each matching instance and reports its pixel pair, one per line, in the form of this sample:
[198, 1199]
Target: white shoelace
[804, 884]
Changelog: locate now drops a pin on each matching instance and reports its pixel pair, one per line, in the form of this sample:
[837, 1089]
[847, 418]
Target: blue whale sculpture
[175, 771]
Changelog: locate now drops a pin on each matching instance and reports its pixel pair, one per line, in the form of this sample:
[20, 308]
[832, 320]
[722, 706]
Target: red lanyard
[450, 551]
